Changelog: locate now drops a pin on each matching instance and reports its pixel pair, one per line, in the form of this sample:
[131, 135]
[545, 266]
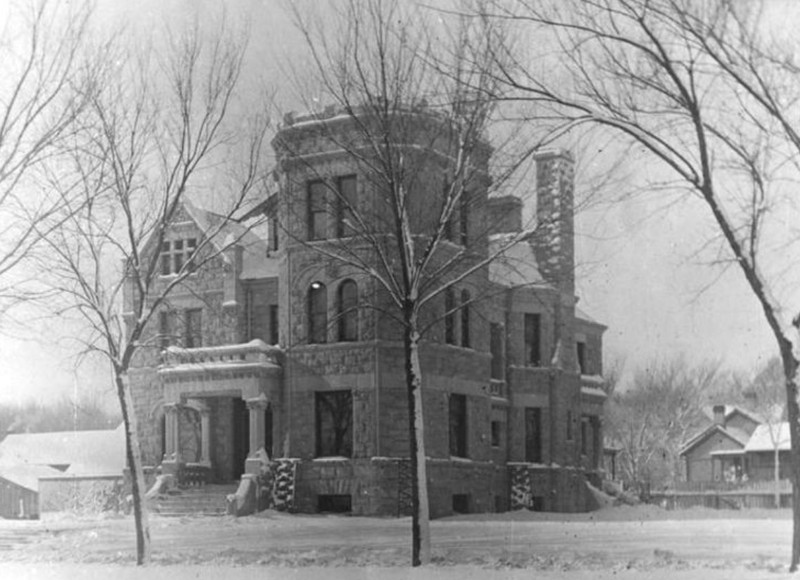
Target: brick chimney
[719, 415]
[553, 243]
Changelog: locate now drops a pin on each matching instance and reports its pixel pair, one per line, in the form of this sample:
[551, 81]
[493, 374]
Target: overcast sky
[639, 269]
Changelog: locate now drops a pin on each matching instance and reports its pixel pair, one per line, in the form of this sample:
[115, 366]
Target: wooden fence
[724, 495]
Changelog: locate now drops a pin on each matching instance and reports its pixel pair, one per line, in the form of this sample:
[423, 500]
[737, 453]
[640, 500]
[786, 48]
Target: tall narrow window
[334, 423]
[317, 214]
[448, 224]
[465, 307]
[273, 234]
[274, 336]
[166, 258]
[317, 313]
[191, 246]
[533, 435]
[347, 311]
[177, 256]
[458, 425]
[581, 349]
[449, 317]
[165, 328]
[496, 349]
[345, 205]
[533, 330]
[193, 328]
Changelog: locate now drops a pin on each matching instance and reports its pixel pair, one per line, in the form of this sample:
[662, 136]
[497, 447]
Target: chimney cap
[544, 154]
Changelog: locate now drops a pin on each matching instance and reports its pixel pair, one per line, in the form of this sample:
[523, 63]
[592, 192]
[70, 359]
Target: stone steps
[208, 500]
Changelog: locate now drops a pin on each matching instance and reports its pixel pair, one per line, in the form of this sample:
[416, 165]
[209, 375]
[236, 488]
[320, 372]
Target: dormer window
[175, 254]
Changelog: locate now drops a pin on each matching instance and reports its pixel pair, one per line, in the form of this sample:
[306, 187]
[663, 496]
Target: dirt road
[586, 544]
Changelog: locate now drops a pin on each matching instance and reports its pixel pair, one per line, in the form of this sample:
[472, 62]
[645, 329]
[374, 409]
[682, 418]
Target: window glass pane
[533, 435]
[465, 337]
[532, 339]
[496, 348]
[317, 313]
[316, 211]
[348, 311]
[458, 425]
[449, 317]
[194, 331]
[166, 259]
[346, 202]
[334, 423]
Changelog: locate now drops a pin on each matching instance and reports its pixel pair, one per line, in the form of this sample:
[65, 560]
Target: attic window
[177, 254]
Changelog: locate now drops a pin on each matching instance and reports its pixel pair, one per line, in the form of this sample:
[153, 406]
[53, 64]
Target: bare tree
[707, 97]
[654, 418]
[46, 82]
[144, 151]
[412, 111]
[768, 397]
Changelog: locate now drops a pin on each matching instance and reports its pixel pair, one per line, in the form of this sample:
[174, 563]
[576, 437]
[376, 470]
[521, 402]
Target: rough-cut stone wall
[148, 396]
[379, 486]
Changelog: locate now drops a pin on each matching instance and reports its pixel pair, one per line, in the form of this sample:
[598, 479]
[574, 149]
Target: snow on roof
[730, 410]
[516, 266]
[762, 438]
[99, 452]
[26, 476]
[736, 435]
[251, 236]
[593, 392]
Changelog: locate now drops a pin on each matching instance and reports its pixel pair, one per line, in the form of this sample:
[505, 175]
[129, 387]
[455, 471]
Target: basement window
[335, 503]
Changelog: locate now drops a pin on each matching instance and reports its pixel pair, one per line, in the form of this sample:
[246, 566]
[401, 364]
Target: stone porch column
[172, 428]
[256, 406]
[205, 433]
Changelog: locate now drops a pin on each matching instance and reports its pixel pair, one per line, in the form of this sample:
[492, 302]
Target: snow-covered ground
[621, 542]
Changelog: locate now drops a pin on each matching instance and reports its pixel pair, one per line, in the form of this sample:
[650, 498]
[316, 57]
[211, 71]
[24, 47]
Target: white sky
[638, 272]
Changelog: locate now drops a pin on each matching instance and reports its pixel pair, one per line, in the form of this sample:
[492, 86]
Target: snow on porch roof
[727, 453]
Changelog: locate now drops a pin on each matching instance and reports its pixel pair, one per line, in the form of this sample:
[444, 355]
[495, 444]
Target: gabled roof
[736, 435]
[86, 452]
[762, 438]
[252, 238]
[730, 411]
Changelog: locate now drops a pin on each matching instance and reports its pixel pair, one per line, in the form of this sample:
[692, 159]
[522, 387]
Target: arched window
[449, 317]
[465, 306]
[317, 313]
[347, 311]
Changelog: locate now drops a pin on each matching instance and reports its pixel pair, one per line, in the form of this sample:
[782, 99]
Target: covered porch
[220, 410]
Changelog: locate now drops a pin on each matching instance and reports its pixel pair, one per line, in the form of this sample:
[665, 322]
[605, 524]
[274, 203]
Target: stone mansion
[272, 346]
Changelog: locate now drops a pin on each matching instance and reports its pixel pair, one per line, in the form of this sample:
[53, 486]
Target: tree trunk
[420, 518]
[777, 472]
[793, 414]
[134, 456]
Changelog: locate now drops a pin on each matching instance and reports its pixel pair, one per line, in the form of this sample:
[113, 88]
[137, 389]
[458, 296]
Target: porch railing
[765, 486]
[193, 475]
